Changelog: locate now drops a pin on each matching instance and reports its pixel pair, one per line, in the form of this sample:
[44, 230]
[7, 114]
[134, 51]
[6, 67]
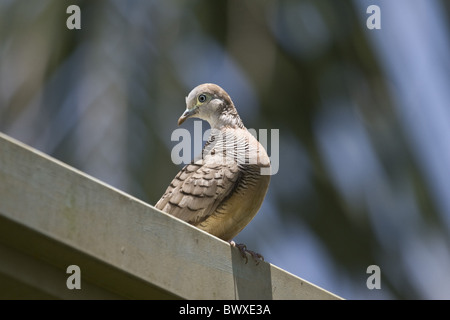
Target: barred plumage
[222, 190]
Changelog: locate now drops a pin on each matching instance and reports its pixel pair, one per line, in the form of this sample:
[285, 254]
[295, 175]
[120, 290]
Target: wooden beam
[53, 216]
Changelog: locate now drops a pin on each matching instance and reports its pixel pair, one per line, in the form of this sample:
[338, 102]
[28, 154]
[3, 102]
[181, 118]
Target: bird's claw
[243, 250]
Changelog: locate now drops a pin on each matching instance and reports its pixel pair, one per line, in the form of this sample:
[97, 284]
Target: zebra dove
[221, 191]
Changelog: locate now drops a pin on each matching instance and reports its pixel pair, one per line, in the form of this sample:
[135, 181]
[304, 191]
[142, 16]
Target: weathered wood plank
[53, 216]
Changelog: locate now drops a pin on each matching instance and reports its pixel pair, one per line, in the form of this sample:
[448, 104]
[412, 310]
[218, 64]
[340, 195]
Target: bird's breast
[244, 201]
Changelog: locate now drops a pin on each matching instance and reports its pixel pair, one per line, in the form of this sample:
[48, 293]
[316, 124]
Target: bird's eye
[201, 98]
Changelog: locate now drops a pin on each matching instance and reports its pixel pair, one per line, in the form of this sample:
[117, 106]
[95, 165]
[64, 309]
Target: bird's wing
[199, 188]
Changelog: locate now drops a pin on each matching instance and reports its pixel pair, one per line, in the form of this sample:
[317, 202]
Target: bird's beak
[186, 114]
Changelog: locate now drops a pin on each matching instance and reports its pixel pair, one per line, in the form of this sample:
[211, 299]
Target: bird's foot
[243, 250]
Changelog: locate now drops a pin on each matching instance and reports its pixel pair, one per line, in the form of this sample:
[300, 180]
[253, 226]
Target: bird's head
[211, 103]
